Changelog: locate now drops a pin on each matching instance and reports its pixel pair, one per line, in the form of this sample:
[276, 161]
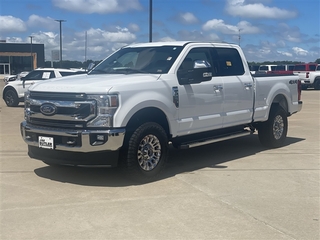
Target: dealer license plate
[46, 142]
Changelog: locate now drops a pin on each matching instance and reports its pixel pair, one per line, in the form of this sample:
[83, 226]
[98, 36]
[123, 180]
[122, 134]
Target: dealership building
[19, 57]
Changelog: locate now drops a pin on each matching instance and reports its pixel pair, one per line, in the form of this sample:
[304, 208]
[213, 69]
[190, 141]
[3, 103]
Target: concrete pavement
[229, 190]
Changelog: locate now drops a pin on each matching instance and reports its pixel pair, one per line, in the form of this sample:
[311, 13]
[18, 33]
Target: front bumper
[70, 140]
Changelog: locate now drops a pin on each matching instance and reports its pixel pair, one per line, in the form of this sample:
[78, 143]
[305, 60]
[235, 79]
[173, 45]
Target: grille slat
[73, 112]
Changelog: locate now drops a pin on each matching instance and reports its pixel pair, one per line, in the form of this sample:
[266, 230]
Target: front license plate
[46, 142]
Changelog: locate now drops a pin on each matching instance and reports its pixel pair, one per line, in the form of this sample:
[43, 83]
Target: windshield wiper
[97, 71]
[130, 70]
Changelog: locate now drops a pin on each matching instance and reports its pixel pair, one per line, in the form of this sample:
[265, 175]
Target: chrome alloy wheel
[278, 127]
[149, 152]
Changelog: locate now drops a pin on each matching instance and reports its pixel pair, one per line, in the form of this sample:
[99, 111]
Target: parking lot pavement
[229, 190]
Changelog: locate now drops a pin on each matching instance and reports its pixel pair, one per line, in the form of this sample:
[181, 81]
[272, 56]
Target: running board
[201, 142]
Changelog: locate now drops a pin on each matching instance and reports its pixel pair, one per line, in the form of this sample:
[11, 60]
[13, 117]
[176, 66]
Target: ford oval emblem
[48, 109]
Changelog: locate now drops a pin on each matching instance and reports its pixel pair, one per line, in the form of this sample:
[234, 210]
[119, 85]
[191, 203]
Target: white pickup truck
[130, 107]
[311, 79]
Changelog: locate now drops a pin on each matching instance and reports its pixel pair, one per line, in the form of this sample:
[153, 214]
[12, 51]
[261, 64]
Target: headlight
[107, 105]
[26, 105]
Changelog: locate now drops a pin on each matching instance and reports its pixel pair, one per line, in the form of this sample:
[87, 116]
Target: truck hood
[97, 83]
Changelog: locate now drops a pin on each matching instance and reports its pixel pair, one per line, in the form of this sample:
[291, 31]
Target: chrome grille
[74, 111]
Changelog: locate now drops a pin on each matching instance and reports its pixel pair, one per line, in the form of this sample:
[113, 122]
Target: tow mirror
[90, 67]
[200, 72]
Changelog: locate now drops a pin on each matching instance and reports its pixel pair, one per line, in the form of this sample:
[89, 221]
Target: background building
[18, 57]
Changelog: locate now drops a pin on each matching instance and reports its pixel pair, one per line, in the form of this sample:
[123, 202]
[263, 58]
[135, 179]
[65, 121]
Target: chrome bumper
[74, 140]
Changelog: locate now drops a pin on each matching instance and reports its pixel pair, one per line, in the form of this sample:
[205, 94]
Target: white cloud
[98, 6]
[133, 27]
[187, 18]
[240, 8]
[247, 28]
[41, 22]
[14, 40]
[220, 26]
[11, 24]
[299, 51]
[286, 54]
[166, 39]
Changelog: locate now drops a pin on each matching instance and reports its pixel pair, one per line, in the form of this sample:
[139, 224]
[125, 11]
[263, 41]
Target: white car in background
[11, 78]
[13, 92]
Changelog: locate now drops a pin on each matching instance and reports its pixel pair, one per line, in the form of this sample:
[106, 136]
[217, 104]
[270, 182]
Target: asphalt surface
[229, 190]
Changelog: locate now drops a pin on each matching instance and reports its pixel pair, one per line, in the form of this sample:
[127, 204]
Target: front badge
[48, 109]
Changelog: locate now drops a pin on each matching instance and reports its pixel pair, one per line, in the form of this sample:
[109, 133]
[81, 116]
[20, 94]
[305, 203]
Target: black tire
[316, 84]
[304, 87]
[273, 133]
[145, 152]
[11, 98]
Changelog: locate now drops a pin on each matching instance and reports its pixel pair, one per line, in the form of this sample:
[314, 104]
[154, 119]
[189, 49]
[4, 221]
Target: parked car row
[311, 79]
[309, 73]
[14, 90]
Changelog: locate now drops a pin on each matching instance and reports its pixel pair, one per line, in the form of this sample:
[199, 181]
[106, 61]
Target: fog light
[100, 137]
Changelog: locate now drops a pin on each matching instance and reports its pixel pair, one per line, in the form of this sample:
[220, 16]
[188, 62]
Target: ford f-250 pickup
[128, 109]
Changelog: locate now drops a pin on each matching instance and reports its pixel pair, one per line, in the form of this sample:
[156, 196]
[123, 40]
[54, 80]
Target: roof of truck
[173, 43]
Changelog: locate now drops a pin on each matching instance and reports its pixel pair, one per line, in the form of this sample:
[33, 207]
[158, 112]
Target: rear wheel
[144, 154]
[273, 132]
[11, 98]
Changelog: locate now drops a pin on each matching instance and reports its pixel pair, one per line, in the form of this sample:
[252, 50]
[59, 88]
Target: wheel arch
[7, 88]
[281, 100]
[148, 114]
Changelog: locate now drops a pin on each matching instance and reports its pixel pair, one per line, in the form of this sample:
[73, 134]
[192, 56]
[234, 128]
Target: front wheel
[273, 132]
[11, 98]
[316, 84]
[145, 152]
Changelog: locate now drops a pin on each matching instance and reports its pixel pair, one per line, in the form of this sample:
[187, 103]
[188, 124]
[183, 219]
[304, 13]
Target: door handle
[248, 86]
[217, 88]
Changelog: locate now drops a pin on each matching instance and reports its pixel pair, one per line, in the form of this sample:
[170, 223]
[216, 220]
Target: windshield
[132, 60]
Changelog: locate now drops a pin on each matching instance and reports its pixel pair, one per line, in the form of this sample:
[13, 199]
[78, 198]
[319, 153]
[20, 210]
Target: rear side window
[299, 68]
[312, 67]
[227, 62]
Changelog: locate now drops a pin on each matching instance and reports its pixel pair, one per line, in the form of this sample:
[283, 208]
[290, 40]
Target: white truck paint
[145, 96]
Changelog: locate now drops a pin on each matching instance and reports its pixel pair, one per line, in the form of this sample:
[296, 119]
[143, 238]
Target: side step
[214, 139]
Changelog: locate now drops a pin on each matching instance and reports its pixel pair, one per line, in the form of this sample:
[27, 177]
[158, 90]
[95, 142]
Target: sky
[267, 30]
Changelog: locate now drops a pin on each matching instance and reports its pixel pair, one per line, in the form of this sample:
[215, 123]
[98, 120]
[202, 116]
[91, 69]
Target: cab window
[193, 55]
[227, 62]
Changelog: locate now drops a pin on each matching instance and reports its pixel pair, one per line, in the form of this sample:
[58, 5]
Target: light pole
[150, 20]
[31, 53]
[60, 21]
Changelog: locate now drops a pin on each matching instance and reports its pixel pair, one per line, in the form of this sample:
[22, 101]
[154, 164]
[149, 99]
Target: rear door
[238, 89]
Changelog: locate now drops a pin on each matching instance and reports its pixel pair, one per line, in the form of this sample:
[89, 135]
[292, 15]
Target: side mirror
[200, 72]
[90, 67]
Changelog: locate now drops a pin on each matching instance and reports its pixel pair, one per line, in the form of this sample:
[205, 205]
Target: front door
[200, 105]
